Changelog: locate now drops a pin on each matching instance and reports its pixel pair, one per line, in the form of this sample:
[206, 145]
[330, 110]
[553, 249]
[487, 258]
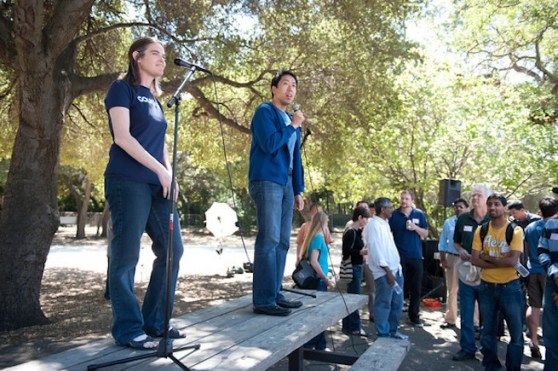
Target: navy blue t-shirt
[409, 243]
[147, 125]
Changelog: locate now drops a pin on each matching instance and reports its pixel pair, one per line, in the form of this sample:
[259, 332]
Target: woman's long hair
[318, 225]
[133, 75]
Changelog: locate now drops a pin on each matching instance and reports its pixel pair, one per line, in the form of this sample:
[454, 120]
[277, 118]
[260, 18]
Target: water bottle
[397, 288]
[524, 272]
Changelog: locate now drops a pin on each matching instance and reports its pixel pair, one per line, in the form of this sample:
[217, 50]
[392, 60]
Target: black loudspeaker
[450, 190]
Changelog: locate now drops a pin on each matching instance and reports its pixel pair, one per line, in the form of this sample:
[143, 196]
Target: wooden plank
[270, 346]
[231, 337]
[384, 354]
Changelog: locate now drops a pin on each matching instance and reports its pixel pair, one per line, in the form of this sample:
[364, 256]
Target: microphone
[296, 107]
[181, 63]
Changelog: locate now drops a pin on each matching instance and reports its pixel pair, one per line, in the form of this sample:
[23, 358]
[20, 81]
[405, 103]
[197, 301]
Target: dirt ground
[73, 300]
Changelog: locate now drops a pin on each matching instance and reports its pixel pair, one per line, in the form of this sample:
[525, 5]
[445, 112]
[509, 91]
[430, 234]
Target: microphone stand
[165, 348]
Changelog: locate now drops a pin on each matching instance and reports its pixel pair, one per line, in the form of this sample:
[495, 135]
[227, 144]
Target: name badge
[467, 228]
[416, 221]
[554, 236]
[505, 249]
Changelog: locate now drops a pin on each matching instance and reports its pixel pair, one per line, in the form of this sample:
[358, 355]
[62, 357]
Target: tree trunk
[30, 215]
[82, 211]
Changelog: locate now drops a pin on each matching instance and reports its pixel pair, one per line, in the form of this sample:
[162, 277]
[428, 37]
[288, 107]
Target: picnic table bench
[231, 337]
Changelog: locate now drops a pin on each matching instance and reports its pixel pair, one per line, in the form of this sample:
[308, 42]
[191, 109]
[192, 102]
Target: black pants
[412, 272]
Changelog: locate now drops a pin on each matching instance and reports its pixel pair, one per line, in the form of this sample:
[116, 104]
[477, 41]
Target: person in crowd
[520, 216]
[537, 276]
[465, 227]
[312, 210]
[449, 257]
[500, 289]
[315, 250]
[138, 181]
[548, 257]
[409, 228]
[368, 277]
[384, 262]
[276, 184]
[353, 246]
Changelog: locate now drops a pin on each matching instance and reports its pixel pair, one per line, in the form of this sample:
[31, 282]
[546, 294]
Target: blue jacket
[269, 153]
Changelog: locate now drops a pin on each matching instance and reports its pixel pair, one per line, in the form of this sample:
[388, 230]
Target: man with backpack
[497, 246]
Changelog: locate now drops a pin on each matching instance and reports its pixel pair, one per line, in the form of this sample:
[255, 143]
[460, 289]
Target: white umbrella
[221, 220]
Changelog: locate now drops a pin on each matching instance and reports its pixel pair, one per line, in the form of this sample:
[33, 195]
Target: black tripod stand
[165, 348]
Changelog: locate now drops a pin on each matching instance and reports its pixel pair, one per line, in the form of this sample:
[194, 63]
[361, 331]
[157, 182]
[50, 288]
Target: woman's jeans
[318, 342]
[508, 299]
[351, 323]
[137, 207]
[274, 212]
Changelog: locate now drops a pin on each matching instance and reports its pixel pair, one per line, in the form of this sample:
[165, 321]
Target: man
[537, 276]
[548, 257]
[409, 228]
[519, 215]
[276, 184]
[500, 289]
[449, 257]
[384, 262]
[465, 228]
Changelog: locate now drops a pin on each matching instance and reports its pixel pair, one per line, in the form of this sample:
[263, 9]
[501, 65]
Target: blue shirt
[318, 243]
[408, 242]
[548, 247]
[532, 236]
[446, 238]
[270, 157]
[147, 125]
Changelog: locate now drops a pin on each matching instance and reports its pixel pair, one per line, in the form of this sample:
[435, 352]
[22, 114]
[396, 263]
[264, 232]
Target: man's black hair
[548, 207]
[461, 200]
[499, 197]
[516, 205]
[275, 80]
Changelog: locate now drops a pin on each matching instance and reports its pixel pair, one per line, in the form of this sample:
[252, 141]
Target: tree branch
[65, 23]
[82, 85]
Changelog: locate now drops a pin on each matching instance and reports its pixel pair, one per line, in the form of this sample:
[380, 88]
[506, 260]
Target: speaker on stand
[450, 190]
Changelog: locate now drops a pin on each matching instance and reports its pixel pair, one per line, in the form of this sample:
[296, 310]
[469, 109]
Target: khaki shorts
[535, 289]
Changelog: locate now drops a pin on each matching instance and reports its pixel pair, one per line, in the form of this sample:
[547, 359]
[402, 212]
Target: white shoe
[399, 336]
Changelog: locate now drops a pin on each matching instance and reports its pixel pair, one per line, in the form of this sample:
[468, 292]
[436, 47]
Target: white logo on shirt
[143, 99]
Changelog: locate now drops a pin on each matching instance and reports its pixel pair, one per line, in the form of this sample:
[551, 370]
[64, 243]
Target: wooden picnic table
[230, 337]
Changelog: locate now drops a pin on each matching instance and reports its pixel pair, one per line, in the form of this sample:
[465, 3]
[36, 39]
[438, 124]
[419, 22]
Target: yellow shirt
[495, 245]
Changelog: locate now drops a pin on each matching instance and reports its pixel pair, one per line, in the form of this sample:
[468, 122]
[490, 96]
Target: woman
[353, 246]
[316, 251]
[137, 187]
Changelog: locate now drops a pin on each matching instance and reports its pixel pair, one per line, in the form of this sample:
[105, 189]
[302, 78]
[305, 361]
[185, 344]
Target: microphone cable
[227, 165]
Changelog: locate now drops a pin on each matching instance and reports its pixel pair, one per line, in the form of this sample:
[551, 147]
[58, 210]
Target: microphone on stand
[182, 63]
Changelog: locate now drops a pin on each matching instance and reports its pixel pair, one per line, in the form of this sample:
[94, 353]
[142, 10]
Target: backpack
[509, 232]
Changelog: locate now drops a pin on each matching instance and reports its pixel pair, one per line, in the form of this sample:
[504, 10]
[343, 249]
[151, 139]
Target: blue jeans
[467, 297]
[274, 212]
[135, 208]
[351, 323]
[388, 305]
[319, 341]
[550, 326]
[508, 299]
